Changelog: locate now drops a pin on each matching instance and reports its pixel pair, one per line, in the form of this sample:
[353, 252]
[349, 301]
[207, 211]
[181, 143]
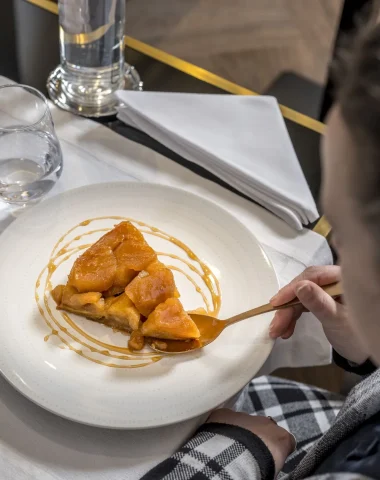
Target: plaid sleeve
[218, 452]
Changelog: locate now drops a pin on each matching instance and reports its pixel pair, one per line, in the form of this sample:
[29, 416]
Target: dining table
[37, 444]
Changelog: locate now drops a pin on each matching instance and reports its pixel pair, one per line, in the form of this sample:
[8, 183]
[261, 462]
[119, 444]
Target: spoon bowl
[210, 327]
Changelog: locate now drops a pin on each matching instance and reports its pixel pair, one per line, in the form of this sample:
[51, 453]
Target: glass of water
[30, 154]
[92, 64]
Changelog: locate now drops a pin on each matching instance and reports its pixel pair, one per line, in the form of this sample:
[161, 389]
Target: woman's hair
[357, 80]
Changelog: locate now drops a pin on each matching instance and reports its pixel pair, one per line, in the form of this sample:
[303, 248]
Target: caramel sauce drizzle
[64, 251]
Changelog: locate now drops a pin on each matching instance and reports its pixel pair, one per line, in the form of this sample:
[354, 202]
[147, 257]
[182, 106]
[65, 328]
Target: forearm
[215, 449]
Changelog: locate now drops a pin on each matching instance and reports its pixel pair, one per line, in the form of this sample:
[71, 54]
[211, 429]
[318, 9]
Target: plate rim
[181, 191]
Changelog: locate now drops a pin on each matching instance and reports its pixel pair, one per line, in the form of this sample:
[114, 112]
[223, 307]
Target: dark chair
[311, 98]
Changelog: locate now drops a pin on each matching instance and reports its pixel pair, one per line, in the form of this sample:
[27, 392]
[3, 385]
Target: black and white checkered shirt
[218, 452]
[225, 452]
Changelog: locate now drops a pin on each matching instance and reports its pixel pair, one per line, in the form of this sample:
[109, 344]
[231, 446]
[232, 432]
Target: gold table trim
[322, 227]
[197, 72]
[46, 4]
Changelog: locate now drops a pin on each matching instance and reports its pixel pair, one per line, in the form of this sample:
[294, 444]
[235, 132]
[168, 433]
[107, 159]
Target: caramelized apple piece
[115, 237]
[151, 287]
[123, 311]
[136, 341]
[112, 261]
[94, 270]
[170, 321]
[87, 304]
[80, 299]
[68, 292]
[57, 293]
[135, 253]
[124, 275]
[118, 312]
[71, 297]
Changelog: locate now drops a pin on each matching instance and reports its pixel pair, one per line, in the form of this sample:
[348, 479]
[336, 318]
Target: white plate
[171, 390]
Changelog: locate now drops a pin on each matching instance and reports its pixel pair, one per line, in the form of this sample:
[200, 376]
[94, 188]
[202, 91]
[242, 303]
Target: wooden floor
[249, 42]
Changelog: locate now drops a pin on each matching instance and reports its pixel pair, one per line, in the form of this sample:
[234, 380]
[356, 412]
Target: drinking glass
[30, 154]
[92, 64]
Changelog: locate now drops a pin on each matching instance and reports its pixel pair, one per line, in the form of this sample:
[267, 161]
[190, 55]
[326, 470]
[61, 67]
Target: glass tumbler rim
[40, 95]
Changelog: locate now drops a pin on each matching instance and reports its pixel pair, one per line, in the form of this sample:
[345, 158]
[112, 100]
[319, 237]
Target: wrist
[343, 344]
[276, 440]
[277, 450]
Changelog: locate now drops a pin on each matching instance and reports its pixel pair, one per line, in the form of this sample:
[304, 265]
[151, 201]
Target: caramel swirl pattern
[72, 336]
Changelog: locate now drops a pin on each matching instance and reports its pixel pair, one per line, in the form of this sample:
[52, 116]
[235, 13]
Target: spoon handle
[333, 289]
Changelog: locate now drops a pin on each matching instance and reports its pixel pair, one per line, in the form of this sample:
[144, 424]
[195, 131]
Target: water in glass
[30, 154]
[92, 57]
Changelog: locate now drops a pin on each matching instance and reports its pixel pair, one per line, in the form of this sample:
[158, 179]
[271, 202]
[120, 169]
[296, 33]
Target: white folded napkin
[242, 140]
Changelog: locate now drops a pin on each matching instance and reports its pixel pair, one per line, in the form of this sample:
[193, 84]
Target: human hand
[331, 313]
[278, 440]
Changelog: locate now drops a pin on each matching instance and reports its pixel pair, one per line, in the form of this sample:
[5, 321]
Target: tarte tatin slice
[119, 282]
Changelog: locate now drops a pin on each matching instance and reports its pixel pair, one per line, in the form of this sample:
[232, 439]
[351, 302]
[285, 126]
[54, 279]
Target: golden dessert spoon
[210, 327]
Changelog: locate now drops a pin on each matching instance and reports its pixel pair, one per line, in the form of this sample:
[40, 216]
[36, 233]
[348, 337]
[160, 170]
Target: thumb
[317, 301]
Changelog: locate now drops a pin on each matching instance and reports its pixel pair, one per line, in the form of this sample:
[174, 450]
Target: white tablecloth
[36, 444]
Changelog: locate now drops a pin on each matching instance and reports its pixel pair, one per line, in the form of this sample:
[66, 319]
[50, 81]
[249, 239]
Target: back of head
[358, 94]
[351, 187]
